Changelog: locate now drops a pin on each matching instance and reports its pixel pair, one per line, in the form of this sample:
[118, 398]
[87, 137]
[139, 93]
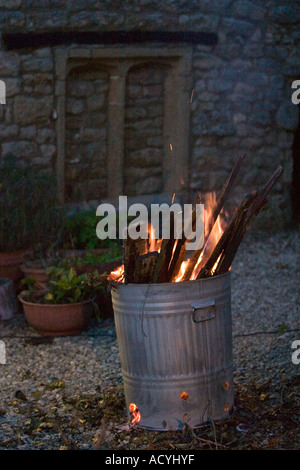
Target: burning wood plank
[165, 255]
[228, 235]
[166, 260]
[194, 263]
[179, 250]
[226, 249]
[224, 195]
[132, 249]
[144, 267]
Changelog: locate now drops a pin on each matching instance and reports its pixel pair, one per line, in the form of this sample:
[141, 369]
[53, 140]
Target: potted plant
[65, 307]
[36, 264]
[29, 214]
[90, 261]
[78, 233]
[98, 265]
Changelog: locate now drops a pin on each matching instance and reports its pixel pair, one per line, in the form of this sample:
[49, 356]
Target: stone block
[287, 116]
[12, 87]
[28, 132]
[145, 158]
[286, 14]
[21, 149]
[37, 64]
[135, 113]
[248, 10]
[45, 135]
[96, 103]
[8, 131]
[28, 110]
[92, 135]
[12, 19]
[9, 64]
[75, 106]
[48, 150]
[150, 185]
[236, 27]
[10, 4]
[80, 88]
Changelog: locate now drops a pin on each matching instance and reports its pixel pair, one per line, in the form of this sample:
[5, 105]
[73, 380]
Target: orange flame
[154, 243]
[210, 202]
[183, 267]
[136, 415]
[212, 239]
[195, 271]
[118, 274]
[213, 269]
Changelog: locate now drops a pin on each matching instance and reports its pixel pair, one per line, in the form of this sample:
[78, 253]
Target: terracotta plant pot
[10, 265]
[39, 274]
[58, 319]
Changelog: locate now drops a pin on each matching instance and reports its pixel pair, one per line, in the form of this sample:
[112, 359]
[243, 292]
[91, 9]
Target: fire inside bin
[172, 313]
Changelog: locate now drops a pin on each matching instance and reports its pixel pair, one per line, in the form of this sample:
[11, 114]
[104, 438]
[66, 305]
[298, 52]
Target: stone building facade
[142, 97]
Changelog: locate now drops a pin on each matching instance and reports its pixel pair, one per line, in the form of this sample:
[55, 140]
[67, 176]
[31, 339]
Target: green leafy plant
[79, 232]
[94, 259]
[65, 286]
[29, 208]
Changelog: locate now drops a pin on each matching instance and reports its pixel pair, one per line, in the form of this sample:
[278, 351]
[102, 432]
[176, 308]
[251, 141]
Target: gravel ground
[39, 381]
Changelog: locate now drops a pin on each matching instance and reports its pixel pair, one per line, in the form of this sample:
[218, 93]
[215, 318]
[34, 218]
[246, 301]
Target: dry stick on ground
[222, 198]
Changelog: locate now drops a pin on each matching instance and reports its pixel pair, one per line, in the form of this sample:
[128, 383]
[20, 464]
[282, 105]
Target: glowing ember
[118, 274]
[184, 395]
[136, 415]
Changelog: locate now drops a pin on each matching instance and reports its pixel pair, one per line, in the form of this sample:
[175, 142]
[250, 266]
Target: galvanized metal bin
[175, 342]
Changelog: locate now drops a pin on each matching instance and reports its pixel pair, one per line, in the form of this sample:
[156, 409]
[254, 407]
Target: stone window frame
[119, 60]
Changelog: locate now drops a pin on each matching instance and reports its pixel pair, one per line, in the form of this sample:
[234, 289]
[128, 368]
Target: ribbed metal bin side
[175, 342]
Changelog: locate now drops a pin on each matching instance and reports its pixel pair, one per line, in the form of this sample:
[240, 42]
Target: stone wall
[144, 150]
[240, 94]
[86, 134]
[27, 124]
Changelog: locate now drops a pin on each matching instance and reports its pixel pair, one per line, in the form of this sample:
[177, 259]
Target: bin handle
[211, 304]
